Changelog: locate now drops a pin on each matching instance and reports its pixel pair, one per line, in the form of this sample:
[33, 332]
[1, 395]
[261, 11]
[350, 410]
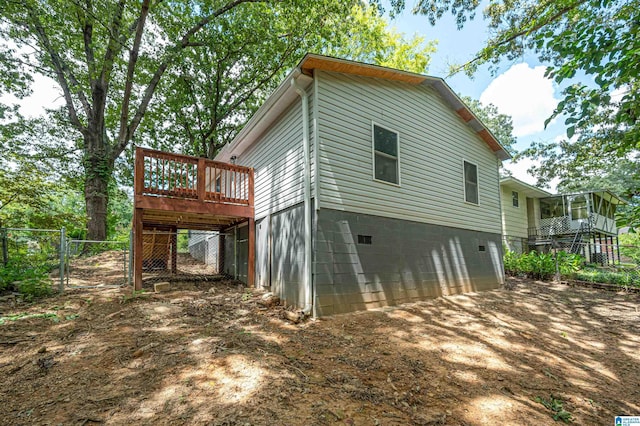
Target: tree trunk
[96, 198]
[98, 169]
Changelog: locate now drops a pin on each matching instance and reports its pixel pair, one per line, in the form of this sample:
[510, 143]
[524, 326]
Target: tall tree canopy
[145, 70]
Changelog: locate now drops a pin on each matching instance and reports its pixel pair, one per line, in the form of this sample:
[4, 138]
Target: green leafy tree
[220, 84]
[148, 71]
[367, 37]
[630, 247]
[501, 125]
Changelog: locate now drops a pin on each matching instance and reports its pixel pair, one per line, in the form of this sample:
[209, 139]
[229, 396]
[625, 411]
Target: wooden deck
[174, 191]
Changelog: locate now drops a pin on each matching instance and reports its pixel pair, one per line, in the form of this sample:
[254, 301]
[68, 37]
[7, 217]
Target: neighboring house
[204, 245]
[584, 223]
[520, 211]
[373, 187]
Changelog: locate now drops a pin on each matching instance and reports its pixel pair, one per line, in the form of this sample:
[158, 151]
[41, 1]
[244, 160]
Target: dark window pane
[470, 173]
[471, 193]
[516, 200]
[579, 208]
[470, 183]
[385, 141]
[386, 168]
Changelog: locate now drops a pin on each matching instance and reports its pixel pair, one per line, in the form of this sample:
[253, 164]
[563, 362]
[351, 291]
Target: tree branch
[540, 23]
[124, 137]
[59, 68]
[87, 36]
[124, 134]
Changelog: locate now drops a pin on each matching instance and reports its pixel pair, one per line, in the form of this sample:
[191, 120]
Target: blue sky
[518, 89]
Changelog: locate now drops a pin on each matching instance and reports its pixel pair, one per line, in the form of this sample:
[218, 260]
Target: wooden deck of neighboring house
[174, 191]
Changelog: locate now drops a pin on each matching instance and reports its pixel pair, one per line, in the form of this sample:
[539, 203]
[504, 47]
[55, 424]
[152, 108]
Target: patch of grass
[555, 405]
[24, 315]
[136, 293]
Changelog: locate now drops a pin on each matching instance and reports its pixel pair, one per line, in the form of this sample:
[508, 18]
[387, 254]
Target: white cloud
[525, 94]
[45, 94]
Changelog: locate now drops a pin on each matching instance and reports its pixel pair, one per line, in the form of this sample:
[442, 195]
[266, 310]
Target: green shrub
[569, 263]
[623, 278]
[21, 276]
[541, 266]
[511, 262]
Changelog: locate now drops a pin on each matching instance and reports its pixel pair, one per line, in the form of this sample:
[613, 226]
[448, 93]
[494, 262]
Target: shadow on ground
[209, 353]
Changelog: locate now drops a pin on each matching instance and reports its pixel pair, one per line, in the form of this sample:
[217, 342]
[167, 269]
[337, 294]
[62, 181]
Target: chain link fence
[32, 260]
[180, 256]
[603, 251]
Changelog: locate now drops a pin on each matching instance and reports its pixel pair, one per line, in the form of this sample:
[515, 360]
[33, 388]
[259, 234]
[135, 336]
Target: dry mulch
[209, 353]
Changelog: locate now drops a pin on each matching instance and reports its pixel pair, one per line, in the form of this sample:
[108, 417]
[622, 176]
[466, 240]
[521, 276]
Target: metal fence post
[63, 249]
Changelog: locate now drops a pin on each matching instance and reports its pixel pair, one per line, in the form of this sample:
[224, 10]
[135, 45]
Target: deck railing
[162, 174]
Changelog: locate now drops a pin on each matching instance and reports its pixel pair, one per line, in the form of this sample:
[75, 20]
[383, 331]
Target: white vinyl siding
[277, 159]
[434, 143]
[515, 220]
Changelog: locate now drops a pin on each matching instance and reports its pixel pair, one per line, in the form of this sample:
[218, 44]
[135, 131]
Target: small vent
[482, 248]
[364, 239]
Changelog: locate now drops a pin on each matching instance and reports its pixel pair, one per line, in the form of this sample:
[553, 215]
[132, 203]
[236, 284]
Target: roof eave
[284, 96]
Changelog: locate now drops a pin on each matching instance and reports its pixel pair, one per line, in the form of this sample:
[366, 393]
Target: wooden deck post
[138, 172]
[137, 249]
[202, 177]
[251, 260]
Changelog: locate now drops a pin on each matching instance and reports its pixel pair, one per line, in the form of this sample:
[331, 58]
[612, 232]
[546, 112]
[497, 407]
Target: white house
[583, 222]
[373, 187]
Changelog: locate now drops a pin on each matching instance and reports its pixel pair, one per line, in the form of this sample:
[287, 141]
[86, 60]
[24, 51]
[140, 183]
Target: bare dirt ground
[209, 353]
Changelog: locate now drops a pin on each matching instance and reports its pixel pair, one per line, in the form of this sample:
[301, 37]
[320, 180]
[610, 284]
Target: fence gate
[91, 264]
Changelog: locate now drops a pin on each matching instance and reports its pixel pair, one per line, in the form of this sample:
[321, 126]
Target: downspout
[306, 149]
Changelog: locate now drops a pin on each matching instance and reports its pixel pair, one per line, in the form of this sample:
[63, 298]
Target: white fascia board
[525, 188]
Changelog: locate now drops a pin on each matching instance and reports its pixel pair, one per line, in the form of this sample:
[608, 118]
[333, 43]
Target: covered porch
[174, 191]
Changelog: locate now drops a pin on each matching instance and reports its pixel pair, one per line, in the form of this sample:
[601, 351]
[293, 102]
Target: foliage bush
[29, 279]
[541, 266]
[622, 277]
[630, 246]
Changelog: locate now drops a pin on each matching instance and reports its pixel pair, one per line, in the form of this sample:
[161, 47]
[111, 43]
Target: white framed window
[515, 198]
[386, 158]
[471, 183]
